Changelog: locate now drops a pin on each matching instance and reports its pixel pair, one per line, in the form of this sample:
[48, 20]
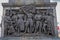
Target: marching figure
[29, 10]
[29, 23]
[20, 22]
[38, 22]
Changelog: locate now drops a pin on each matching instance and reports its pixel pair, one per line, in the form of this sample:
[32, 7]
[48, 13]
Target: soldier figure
[20, 22]
[38, 22]
[44, 27]
[29, 23]
[29, 10]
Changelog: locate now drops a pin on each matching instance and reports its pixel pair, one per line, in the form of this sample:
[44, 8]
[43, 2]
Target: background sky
[5, 1]
[1, 8]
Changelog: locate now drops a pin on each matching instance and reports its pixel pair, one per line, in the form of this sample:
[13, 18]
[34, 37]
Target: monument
[29, 18]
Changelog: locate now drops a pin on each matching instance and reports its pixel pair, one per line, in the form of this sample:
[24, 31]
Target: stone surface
[27, 1]
[27, 20]
[29, 38]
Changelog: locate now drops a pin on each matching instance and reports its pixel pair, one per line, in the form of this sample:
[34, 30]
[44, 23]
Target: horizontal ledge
[29, 35]
[52, 4]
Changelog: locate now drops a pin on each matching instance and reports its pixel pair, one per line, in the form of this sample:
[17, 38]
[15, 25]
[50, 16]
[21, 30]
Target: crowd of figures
[26, 20]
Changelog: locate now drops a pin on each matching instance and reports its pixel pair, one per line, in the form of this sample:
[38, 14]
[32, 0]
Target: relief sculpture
[27, 19]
